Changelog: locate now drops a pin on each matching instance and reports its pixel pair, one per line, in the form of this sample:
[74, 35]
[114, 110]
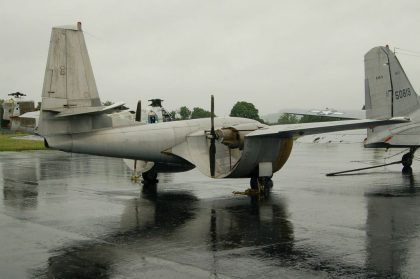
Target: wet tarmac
[77, 216]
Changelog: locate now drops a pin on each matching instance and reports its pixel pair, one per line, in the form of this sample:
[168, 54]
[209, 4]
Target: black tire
[253, 183]
[150, 177]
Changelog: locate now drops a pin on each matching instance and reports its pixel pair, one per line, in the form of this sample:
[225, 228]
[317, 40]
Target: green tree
[173, 115]
[185, 113]
[246, 110]
[199, 113]
[288, 118]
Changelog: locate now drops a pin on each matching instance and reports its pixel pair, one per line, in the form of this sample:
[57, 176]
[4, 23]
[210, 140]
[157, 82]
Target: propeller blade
[212, 154]
[212, 114]
[212, 150]
[138, 111]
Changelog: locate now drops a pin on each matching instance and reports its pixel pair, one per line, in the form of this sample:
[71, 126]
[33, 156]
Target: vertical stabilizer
[388, 92]
[69, 85]
[69, 80]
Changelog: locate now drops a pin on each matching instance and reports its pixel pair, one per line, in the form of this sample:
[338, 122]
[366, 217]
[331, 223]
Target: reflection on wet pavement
[77, 216]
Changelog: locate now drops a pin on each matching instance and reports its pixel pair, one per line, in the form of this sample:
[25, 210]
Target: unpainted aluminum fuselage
[150, 142]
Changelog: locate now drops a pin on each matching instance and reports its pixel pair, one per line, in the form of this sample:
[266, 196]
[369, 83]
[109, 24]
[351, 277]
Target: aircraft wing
[330, 114]
[295, 130]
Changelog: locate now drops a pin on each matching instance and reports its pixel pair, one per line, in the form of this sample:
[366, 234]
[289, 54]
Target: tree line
[240, 109]
[248, 110]
[290, 118]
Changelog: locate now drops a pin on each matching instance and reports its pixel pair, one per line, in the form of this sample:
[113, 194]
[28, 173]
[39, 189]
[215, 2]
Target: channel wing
[296, 130]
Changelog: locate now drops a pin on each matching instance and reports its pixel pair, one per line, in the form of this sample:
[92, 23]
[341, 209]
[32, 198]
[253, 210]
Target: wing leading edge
[295, 130]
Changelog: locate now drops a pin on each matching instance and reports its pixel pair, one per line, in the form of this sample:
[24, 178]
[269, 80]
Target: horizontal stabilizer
[294, 130]
[90, 110]
[30, 114]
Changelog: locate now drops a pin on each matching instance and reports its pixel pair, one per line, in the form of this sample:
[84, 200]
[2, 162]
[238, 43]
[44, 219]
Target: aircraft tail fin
[68, 80]
[388, 92]
[69, 84]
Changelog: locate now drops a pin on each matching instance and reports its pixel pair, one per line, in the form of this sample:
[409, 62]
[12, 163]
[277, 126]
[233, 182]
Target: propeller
[138, 119]
[138, 112]
[212, 150]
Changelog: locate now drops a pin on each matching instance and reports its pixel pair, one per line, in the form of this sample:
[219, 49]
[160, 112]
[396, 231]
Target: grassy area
[8, 142]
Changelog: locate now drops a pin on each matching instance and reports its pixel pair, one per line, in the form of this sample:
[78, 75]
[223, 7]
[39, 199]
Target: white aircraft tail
[69, 85]
[388, 92]
[69, 80]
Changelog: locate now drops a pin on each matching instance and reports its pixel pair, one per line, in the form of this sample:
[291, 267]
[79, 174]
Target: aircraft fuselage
[150, 142]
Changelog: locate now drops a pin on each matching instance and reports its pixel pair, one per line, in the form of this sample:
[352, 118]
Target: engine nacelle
[231, 137]
[236, 155]
[234, 137]
[263, 150]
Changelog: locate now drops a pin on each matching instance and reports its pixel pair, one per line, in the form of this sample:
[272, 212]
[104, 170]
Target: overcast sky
[275, 54]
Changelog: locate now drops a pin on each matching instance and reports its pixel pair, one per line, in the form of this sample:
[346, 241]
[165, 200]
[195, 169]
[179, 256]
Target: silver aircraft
[72, 119]
[388, 94]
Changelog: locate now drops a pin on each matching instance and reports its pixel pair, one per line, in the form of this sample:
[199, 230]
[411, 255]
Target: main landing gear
[261, 185]
[260, 188]
[407, 161]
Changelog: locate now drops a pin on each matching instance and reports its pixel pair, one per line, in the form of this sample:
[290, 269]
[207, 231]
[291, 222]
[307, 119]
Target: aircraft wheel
[150, 177]
[261, 185]
[407, 160]
[253, 183]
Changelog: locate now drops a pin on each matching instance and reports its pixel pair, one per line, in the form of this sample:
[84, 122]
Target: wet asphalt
[77, 216]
